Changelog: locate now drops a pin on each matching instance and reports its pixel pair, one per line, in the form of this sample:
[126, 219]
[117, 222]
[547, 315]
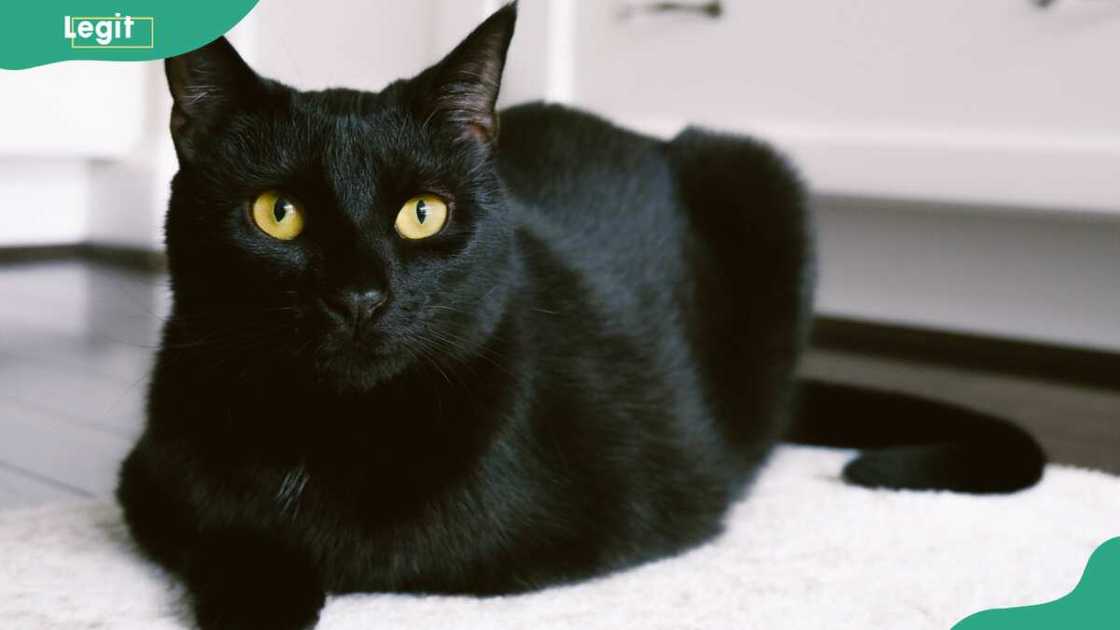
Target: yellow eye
[421, 217]
[278, 216]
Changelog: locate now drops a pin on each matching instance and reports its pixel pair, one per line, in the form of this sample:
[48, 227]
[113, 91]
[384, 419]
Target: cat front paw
[245, 585]
[239, 601]
[247, 610]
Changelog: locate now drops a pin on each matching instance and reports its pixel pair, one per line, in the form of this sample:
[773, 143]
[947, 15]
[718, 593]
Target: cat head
[350, 234]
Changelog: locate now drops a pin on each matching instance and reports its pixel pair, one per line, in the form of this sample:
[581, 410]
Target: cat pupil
[280, 209]
[421, 210]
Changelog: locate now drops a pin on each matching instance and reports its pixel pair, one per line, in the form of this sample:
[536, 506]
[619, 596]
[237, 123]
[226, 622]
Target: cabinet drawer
[997, 101]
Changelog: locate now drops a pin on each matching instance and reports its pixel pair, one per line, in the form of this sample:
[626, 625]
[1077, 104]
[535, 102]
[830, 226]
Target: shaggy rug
[802, 550]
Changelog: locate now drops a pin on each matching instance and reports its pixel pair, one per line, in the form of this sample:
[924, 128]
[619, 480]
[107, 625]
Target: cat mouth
[349, 362]
[352, 346]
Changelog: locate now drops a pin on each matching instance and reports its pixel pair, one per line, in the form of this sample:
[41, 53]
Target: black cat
[409, 354]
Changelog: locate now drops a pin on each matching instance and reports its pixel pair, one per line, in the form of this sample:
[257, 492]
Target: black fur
[578, 374]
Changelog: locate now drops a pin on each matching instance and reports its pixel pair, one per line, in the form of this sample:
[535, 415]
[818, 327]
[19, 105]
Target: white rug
[803, 551]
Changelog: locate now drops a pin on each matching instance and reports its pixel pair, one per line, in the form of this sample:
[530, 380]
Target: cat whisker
[419, 356]
[457, 343]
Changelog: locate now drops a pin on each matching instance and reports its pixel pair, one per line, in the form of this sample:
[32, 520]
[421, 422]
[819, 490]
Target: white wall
[362, 45]
[76, 109]
[55, 122]
[129, 194]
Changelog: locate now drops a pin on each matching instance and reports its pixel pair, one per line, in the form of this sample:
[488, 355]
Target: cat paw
[258, 607]
[251, 587]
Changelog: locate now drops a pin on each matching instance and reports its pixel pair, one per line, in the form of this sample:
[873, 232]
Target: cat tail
[916, 443]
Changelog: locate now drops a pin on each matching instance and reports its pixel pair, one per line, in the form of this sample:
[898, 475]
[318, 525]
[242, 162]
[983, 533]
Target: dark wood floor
[1077, 425]
[75, 346]
[76, 341]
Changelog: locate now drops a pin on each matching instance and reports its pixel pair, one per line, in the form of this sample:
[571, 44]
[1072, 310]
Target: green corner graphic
[1093, 604]
[46, 31]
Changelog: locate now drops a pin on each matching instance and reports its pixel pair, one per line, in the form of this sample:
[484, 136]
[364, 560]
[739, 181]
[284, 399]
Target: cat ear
[206, 84]
[461, 90]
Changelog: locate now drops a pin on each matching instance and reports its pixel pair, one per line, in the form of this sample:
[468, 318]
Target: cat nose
[354, 306]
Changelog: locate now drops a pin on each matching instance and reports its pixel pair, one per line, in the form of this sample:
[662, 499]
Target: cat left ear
[206, 85]
[462, 90]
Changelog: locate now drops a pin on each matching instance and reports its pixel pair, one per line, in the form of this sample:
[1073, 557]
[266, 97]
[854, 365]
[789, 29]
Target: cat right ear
[461, 91]
[206, 85]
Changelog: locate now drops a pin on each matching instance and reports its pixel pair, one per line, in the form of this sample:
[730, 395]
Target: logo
[110, 32]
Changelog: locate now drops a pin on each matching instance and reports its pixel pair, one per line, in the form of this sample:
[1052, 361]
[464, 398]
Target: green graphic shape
[47, 31]
[1093, 604]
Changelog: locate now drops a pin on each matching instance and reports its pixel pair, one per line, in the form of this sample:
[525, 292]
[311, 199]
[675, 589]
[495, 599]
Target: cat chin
[351, 371]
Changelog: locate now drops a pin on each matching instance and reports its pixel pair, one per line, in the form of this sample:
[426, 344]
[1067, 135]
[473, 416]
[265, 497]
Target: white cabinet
[992, 101]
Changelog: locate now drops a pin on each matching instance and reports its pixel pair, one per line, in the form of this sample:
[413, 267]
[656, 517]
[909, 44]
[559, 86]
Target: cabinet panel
[996, 101]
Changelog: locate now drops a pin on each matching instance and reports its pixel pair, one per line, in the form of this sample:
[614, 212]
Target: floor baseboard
[131, 258]
[121, 256]
[39, 253]
[971, 352]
